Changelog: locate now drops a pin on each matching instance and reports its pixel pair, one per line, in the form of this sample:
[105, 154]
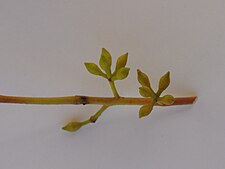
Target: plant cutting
[149, 99]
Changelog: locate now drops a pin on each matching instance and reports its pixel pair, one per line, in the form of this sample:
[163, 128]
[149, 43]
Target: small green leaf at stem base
[166, 100]
[146, 92]
[94, 69]
[145, 110]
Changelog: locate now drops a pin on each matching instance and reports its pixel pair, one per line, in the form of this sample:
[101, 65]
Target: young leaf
[94, 69]
[143, 79]
[122, 73]
[105, 61]
[145, 110]
[146, 92]
[72, 126]
[121, 61]
[167, 100]
[163, 83]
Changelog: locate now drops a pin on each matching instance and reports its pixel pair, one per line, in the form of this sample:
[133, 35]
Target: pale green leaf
[143, 79]
[105, 61]
[94, 69]
[145, 110]
[166, 100]
[121, 61]
[146, 92]
[122, 73]
[163, 83]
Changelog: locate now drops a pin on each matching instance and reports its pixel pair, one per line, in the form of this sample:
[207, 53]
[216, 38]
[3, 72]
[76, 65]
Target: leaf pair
[146, 91]
[105, 62]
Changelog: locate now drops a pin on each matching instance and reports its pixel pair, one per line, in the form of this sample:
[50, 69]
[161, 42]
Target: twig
[76, 100]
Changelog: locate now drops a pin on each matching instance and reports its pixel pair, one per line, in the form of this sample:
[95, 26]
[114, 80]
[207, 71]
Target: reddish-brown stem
[90, 100]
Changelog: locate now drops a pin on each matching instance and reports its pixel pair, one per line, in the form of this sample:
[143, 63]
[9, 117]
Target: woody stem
[76, 100]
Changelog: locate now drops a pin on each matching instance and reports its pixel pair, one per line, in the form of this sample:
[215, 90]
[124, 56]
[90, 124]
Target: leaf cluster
[104, 69]
[146, 91]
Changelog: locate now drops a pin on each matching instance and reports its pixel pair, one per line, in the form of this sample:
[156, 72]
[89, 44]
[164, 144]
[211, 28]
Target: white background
[43, 45]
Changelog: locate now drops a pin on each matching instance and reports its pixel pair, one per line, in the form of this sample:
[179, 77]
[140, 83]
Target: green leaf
[94, 69]
[122, 73]
[143, 79]
[146, 92]
[163, 83]
[105, 61]
[167, 100]
[72, 126]
[121, 61]
[145, 110]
